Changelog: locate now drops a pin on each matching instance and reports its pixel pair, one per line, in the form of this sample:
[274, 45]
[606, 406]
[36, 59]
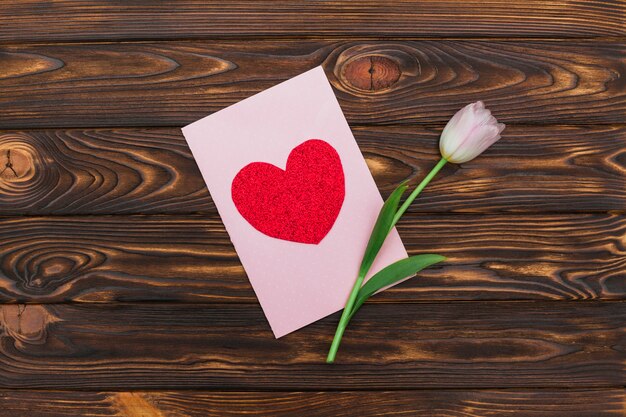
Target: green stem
[418, 190]
[347, 311]
[345, 318]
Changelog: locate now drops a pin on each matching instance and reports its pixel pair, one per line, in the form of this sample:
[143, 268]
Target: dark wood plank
[388, 346]
[103, 171]
[172, 84]
[439, 403]
[132, 171]
[43, 20]
[99, 259]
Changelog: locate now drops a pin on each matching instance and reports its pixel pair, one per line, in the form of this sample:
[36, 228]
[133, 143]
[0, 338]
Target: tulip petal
[469, 133]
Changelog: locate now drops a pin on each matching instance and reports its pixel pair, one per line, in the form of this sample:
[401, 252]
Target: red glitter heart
[300, 203]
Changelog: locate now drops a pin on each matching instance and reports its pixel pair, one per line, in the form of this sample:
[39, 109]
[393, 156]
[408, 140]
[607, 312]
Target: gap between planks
[336, 38]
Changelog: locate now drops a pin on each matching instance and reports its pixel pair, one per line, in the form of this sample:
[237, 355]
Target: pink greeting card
[295, 195]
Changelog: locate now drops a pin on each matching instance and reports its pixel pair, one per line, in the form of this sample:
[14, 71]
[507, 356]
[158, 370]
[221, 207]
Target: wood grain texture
[230, 347]
[432, 403]
[171, 258]
[40, 20]
[132, 171]
[105, 171]
[172, 84]
[526, 318]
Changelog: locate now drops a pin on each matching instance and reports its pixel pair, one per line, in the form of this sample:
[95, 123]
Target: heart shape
[298, 204]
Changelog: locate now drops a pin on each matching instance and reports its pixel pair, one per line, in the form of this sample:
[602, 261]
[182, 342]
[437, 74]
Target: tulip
[468, 134]
[470, 131]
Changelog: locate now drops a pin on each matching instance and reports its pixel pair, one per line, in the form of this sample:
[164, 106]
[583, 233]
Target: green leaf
[393, 273]
[381, 229]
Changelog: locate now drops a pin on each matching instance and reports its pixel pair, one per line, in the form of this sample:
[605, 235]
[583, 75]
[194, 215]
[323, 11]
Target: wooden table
[121, 292]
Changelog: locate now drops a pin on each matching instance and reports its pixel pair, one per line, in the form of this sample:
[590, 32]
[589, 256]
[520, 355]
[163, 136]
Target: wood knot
[26, 323]
[44, 269]
[23, 179]
[371, 72]
[15, 164]
[17, 159]
[376, 68]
